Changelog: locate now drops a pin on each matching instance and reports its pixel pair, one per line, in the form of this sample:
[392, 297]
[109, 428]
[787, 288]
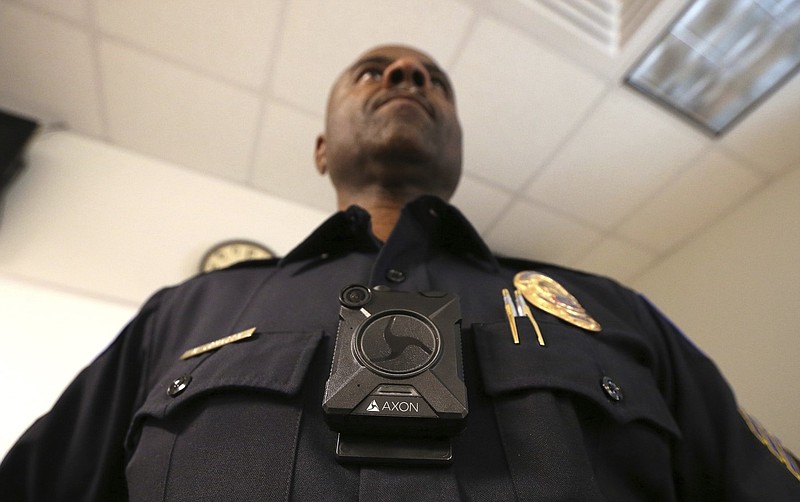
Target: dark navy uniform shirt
[244, 422]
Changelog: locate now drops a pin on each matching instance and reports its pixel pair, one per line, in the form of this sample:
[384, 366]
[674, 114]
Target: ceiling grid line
[520, 194]
[266, 94]
[41, 11]
[614, 231]
[689, 237]
[754, 168]
[567, 139]
[173, 61]
[95, 40]
[464, 39]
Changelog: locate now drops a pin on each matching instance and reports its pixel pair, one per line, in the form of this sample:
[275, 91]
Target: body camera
[397, 367]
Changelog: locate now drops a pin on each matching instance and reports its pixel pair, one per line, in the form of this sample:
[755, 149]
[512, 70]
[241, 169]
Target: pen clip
[526, 311]
[511, 311]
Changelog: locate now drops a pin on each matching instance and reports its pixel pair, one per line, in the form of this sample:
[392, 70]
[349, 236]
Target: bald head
[391, 128]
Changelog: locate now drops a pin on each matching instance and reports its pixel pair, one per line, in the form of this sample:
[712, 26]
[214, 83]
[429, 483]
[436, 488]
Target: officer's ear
[320, 157]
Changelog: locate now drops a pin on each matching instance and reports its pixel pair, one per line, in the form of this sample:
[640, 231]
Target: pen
[521, 305]
[510, 311]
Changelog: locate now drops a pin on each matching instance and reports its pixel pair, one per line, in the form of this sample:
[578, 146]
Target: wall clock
[234, 251]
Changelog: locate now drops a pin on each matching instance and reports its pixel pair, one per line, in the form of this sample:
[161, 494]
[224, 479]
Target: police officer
[581, 390]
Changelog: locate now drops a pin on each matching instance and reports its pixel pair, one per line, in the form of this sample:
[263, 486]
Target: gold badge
[206, 347]
[548, 295]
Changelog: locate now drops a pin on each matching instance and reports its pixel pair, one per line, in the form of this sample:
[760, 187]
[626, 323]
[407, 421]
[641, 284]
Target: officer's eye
[370, 75]
[440, 83]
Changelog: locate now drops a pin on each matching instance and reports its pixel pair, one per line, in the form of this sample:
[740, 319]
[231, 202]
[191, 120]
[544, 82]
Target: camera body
[397, 367]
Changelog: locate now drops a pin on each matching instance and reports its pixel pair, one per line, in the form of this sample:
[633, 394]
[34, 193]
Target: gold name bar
[218, 343]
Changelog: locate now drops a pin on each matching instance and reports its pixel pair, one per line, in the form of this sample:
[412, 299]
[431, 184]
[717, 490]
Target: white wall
[735, 291]
[102, 220]
[87, 233]
[47, 336]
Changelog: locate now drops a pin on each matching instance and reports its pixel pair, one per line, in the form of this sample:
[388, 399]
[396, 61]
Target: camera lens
[355, 296]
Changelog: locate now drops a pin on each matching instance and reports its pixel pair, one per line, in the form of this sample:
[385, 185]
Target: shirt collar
[350, 231]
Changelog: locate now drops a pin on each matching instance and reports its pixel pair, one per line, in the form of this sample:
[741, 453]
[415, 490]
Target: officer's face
[392, 119]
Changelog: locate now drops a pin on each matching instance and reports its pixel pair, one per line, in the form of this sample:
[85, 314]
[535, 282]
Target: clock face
[228, 253]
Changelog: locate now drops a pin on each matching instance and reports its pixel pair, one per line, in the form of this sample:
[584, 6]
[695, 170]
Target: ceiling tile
[692, 201]
[768, 136]
[177, 115]
[284, 164]
[49, 76]
[479, 202]
[615, 258]
[517, 101]
[533, 232]
[75, 10]
[624, 152]
[321, 38]
[233, 39]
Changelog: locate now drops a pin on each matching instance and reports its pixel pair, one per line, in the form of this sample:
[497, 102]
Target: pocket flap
[271, 362]
[570, 362]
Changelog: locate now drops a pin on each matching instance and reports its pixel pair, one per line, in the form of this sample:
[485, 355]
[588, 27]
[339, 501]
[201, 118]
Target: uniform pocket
[575, 363]
[581, 418]
[230, 412]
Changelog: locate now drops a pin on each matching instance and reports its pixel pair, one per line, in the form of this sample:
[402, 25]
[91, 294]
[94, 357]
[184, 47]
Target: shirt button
[612, 390]
[178, 385]
[395, 275]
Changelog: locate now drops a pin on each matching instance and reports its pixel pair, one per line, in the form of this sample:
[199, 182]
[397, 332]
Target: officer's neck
[384, 208]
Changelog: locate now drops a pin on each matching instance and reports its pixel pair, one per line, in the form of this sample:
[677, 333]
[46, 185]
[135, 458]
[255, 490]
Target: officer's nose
[406, 71]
